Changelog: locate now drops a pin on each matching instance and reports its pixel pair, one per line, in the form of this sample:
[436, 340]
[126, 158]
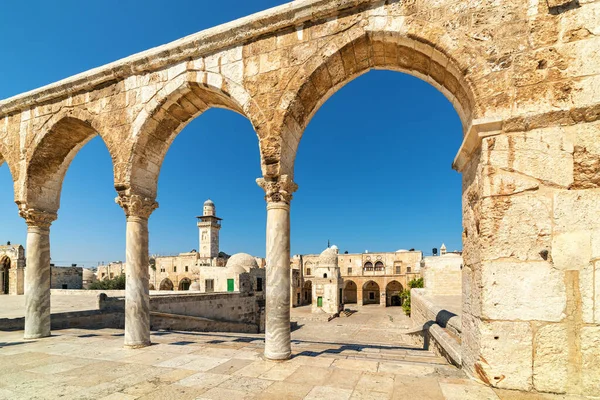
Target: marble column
[277, 288]
[37, 273]
[137, 295]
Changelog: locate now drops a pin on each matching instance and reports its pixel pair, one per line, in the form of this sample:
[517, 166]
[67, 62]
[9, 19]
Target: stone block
[550, 358]
[515, 226]
[571, 250]
[505, 354]
[543, 154]
[590, 366]
[497, 182]
[576, 210]
[513, 291]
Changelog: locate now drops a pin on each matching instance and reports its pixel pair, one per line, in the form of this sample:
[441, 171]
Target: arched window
[379, 266]
[324, 275]
[368, 266]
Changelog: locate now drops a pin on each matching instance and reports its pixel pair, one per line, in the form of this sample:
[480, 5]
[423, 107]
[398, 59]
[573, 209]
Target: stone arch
[166, 284]
[371, 293]
[184, 284]
[350, 294]
[368, 266]
[5, 265]
[181, 100]
[379, 266]
[348, 56]
[307, 292]
[52, 152]
[392, 293]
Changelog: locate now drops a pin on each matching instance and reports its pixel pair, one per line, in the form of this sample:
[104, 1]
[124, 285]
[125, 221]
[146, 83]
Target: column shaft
[277, 331]
[137, 297]
[37, 283]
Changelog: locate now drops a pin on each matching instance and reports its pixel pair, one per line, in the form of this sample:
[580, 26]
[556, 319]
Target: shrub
[117, 283]
[405, 295]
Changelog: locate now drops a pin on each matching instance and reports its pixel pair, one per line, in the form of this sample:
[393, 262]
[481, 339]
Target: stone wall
[66, 278]
[442, 276]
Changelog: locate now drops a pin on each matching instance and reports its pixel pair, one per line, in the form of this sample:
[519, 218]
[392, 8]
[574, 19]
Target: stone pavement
[14, 306]
[92, 364]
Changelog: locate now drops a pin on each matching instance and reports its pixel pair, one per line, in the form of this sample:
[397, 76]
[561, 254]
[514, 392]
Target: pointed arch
[355, 53]
[166, 284]
[52, 151]
[184, 98]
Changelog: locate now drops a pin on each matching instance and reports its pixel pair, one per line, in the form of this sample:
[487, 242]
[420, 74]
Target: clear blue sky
[373, 167]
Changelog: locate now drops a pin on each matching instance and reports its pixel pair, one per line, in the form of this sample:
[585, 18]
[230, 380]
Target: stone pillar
[277, 288]
[137, 294]
[37, 273]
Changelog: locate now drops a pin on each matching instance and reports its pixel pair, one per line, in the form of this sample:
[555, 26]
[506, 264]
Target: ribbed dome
[209, 202]
[241, 260]
[328, 256]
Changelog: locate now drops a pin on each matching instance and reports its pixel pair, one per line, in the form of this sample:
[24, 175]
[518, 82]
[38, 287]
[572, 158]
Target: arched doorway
[392, 294]
[166, 284]
[307, 293]
[4, 275]
[350, 293]
[184, 284]
[371, 293]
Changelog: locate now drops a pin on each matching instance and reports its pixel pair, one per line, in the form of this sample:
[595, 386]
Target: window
[324, 275]
[349, 270]
[379, 266]
[209, 284]
[307, 271]
[259, 285]
[371, 295]
[65, 286]
[186, 268]
[369, 266]
[398, 269]
[174, 269]
[407, 270]
[103, 274]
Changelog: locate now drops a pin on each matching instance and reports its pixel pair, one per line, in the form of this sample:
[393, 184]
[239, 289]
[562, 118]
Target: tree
[117, 283]
[405, 295]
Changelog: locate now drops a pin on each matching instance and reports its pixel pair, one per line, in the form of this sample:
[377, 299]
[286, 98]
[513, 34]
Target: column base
[137, 345]
[278, 356]
[36, 336]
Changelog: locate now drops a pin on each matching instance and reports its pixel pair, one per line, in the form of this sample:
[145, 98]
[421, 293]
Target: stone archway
[166, 284]
[350, 294]
[184, 284]
[392, 294]
[307, 293]
[371, 293]
[5, 275]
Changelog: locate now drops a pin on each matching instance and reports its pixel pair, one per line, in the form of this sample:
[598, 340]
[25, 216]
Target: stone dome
[209, 202]
[88, 275]
[329, 256]
[241, 262]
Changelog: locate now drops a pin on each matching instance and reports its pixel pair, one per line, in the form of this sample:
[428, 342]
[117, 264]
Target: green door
[230, 285]
[319, 302]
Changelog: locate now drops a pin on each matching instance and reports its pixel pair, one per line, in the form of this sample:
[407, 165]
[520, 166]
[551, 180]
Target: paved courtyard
[341, 359]
[14, 306]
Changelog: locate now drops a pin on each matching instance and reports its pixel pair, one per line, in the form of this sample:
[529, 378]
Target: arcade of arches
[523, 78]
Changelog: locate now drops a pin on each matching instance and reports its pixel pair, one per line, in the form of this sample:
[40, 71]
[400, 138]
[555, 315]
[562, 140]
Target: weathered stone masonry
[523, 77]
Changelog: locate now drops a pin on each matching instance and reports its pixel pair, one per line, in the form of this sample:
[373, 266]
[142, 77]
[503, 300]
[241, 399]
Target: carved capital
[37, 218]
[136, 206]
[279, 190]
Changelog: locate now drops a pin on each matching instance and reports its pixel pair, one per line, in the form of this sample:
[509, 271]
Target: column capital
[37, 218]
[135, 205]
[278, 189]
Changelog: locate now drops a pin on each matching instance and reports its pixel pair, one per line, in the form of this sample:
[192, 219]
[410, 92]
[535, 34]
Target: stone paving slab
[187, 365]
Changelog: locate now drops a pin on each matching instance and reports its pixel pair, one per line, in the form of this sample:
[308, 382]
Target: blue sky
[373, 167]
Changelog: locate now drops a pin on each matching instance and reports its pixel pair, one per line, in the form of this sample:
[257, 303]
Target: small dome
[88, 275]
[209, 202]
[329, 256]
[241, 260]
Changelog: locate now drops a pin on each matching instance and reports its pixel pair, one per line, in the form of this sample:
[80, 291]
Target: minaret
[209, 225]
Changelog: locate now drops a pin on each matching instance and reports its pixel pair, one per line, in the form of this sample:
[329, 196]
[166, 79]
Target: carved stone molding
[38, 218]
[136, 206]
[278, 190]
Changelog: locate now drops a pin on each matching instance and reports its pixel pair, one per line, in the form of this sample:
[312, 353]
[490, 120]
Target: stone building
[367, 278]
[523, 77]
[12, 269]
[66, 277]
[327, 283]
[443, 274]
